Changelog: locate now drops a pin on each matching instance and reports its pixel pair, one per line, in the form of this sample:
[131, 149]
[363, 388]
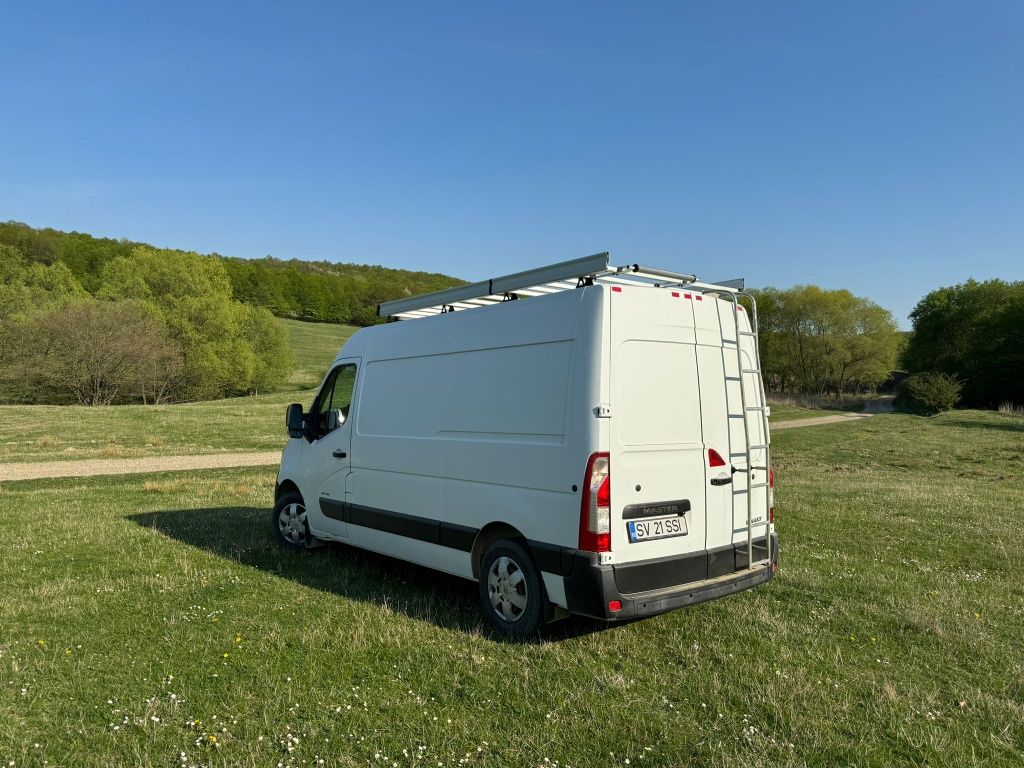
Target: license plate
[656, 528]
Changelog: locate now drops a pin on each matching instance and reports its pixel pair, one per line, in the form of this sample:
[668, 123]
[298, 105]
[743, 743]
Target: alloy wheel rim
[506, 588]
[291, 521]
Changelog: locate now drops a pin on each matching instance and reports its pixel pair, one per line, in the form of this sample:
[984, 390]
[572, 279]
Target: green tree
[29, 286]
[972, 331]
[824, 341]
[228, 347]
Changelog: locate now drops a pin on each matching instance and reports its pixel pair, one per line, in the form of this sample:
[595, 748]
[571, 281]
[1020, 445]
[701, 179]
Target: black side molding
[550, 557]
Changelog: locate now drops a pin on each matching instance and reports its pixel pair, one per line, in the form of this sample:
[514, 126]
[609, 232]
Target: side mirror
[293, 420]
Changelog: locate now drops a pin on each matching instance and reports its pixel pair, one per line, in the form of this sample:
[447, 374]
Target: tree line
[316, 291]
[99, 320]
[966, 347]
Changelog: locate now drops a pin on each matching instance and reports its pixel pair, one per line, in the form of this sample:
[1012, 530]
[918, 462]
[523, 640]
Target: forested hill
[319, 291]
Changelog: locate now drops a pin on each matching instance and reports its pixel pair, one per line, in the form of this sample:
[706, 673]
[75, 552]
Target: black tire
[289, 521]
[514, 602]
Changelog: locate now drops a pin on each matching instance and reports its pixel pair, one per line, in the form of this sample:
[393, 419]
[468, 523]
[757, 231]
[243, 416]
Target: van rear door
[658, 504]
[722, 421]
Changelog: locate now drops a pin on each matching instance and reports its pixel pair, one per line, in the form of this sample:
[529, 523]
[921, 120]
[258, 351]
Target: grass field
[150, 620]
[315, 346]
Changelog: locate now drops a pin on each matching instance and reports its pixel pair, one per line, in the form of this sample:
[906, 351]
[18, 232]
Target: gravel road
[88, 467]
[777, 425]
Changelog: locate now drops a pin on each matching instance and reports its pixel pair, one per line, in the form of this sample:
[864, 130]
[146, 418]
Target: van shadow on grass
[243, 534]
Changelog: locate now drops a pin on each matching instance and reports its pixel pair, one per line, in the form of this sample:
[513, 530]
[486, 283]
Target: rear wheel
[289, 521]
[511, 589]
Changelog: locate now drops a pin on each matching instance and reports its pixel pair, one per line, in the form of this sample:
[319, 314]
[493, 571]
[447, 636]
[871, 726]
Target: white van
[579, 438]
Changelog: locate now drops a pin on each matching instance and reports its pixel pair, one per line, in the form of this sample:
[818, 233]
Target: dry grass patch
[165, 486]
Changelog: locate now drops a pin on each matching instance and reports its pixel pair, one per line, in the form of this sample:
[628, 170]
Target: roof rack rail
[563, 276]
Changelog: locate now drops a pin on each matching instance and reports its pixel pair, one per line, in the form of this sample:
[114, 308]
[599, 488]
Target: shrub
[928, 393]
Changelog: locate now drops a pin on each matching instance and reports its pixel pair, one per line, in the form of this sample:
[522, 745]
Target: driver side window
[332, 406]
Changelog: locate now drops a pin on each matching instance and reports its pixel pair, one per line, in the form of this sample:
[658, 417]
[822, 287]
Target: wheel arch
[286, 486]
[488, 535]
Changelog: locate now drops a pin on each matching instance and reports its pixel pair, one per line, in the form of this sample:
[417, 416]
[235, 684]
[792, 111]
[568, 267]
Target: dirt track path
[775, 426]
[88, 467]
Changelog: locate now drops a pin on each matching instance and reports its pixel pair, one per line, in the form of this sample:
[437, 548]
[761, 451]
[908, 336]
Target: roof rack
[564, 276]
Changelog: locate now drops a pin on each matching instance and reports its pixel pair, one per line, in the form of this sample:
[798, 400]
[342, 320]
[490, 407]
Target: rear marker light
[675, 295]
[614, 606]
[596, 505]
[715, 458]
[617, 289]
[687, 295]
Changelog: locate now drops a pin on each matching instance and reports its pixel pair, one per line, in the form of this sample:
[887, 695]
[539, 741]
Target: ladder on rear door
[761, 409]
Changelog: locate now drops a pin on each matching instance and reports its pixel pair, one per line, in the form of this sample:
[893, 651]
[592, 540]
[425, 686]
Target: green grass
[315, 345]
[47, 433]
[144, 615]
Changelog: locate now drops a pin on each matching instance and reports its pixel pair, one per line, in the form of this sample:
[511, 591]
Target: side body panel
[471, 419]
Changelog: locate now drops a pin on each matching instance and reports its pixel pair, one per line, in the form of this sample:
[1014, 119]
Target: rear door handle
[721, 480]
[339, 454]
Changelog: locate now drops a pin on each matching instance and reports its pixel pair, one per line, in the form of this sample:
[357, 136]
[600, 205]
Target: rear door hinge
[603, 411]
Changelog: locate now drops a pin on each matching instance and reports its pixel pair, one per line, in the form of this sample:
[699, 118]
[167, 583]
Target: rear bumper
[591, 586]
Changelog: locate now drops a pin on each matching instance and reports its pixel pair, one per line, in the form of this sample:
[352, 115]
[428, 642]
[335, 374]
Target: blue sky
[873, 146]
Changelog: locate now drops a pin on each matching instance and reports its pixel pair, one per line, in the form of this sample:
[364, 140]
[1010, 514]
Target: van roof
[553, 278]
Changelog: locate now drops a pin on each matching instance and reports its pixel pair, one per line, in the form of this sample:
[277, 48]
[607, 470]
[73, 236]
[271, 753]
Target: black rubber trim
[662, 572]
[398, 523]
[460, 537]
[549, 557]
[332, 509]
[552, 558]
[660, 509]
[591, 586]
[449, 535]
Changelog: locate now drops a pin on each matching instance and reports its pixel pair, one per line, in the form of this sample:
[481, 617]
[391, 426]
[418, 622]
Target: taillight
[715, 458]
[596, 505]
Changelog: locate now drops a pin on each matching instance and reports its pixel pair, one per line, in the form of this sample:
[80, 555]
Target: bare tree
[98, 352]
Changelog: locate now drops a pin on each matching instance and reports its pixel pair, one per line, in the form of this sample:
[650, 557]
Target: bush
[929, 393]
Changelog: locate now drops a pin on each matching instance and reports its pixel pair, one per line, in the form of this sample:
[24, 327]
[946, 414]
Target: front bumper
[591, 586]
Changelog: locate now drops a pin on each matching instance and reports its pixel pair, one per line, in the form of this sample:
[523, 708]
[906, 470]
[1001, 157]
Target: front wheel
[511, 589]
[289, 521]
